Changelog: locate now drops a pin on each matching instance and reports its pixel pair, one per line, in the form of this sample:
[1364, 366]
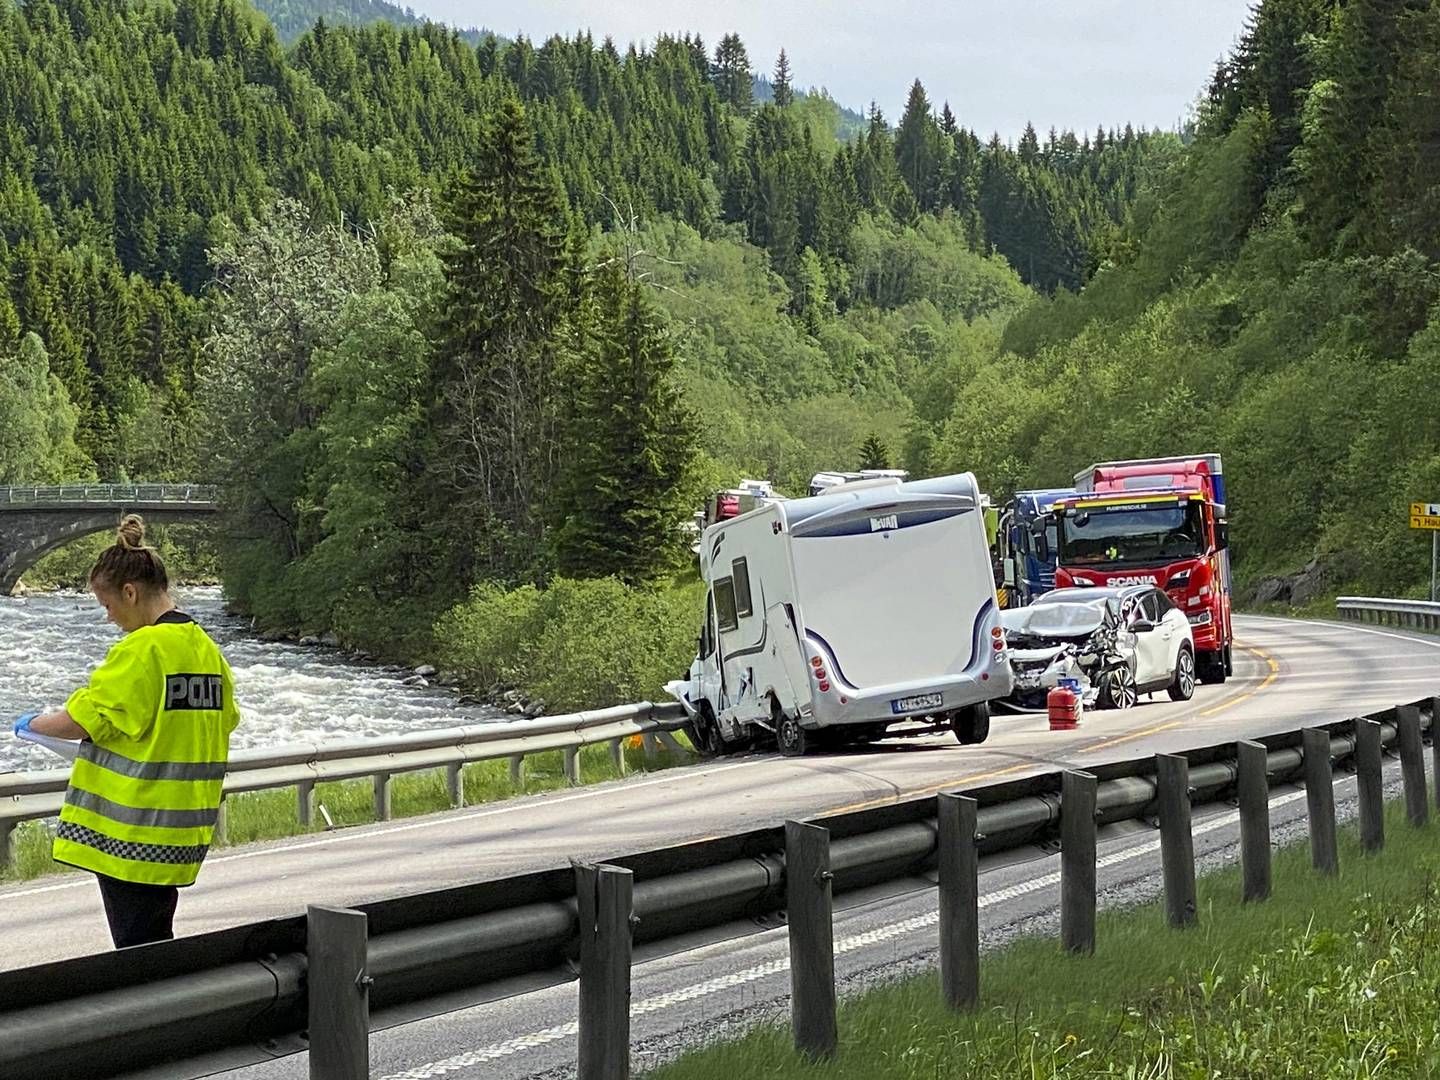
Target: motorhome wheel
[793, 739]
[971, 724]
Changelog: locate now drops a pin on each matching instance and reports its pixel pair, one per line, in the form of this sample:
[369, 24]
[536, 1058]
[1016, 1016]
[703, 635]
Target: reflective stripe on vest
[152, 770]
[139, 815]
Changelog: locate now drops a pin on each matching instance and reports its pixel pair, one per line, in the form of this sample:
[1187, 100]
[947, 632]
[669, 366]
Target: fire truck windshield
[1131, 535]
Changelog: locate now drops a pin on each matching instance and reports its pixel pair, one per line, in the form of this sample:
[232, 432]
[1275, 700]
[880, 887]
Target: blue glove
[23, 724]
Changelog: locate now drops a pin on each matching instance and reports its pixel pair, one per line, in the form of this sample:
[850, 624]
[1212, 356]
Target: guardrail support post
[1435, 743]
[517, 770]
[305, 803]
[1320, 800]
[1254, 792]
[7, 829]
[455, 783]
[1370, 783]
[1412, 764]
[605, 900]
[812, 938]
[959, 901]
[617, 755]
[382, 796]
[221, 832]
[651, 745]
[339, 993]
[572, 764]
[1177, 843]
[1077, 861]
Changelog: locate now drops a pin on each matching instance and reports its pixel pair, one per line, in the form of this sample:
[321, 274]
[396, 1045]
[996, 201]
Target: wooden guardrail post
[382, 796]
[812, 938]
[1254, 790]
[338, 991]
[605, 896]
[1370, 783]
[1320, 800]
[1177, 842]
[1078, 791]
[1412, 764]
[959, 901]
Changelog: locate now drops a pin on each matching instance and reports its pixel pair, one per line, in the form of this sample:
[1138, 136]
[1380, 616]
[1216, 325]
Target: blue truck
[1026, 544]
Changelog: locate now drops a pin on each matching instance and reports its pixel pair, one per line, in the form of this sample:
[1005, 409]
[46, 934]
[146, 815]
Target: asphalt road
[1288, 673]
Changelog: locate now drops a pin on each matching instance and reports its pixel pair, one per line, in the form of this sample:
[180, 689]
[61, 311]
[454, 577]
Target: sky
[1068, 63]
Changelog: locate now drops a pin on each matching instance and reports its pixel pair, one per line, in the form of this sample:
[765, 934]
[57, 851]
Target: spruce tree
[917, 149]
[874, 454]
[621, 496]
[784, 94]
[731, 73]
[505, 335]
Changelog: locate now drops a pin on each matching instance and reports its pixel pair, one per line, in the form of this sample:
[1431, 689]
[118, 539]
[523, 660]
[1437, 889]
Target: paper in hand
[68, 749]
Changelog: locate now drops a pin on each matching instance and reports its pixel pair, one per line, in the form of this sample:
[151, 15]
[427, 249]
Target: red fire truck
[1159, 521]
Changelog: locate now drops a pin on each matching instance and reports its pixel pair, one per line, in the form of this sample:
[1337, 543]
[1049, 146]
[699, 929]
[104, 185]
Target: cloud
[999, 63]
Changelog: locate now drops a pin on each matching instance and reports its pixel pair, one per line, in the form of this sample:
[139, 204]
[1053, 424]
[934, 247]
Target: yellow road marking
[1133, 735]
[1270, 678]
[931, 789]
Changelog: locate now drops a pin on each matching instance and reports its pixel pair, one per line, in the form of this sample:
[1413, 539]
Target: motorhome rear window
[740, 573]
[725, 613]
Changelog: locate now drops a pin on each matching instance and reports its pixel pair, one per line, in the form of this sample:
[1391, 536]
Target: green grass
[270, 815]
[1329, 978]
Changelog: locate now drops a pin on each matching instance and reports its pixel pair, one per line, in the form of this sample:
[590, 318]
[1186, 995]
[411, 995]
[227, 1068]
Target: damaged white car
[1117, 643]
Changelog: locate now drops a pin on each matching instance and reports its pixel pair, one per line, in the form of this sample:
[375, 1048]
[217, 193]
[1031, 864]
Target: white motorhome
[869, 606]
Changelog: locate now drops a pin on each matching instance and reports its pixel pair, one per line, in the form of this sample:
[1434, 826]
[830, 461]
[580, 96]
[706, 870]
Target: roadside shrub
[578, 644]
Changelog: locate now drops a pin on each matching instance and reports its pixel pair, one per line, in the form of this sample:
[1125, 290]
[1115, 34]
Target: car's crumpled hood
[1076, 619]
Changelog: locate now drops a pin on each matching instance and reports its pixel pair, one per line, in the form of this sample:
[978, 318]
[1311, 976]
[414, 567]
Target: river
[287, 693]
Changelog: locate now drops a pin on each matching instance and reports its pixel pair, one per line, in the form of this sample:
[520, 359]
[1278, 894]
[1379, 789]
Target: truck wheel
[1229, 661]
[1212, 668]
[792, 739]
[971, 724]
[1117, 689]
[1183, 688]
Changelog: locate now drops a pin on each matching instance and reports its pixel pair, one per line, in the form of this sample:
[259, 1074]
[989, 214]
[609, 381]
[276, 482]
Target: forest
[453, 317]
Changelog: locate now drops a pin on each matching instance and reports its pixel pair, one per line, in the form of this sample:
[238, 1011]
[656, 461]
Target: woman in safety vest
[154, 725]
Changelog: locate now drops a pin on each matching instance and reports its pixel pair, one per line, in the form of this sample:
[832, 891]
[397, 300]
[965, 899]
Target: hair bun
[132, 532]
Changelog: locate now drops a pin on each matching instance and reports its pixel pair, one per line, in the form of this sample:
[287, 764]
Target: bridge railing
[1412, 614]
[107, 494]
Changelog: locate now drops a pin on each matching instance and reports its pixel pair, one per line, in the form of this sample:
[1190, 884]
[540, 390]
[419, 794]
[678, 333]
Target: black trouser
[138, 914]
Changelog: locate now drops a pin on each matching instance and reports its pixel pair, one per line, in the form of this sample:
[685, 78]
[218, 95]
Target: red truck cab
[1159, 521]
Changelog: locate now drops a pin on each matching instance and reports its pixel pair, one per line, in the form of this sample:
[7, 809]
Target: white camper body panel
[888, 586]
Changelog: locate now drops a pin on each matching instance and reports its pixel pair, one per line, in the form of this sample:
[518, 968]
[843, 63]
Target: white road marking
[430, 822]
[1347, 627]
[660, 1002]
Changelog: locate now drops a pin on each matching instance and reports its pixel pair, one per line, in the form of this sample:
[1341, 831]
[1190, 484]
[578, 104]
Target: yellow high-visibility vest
[145, 791]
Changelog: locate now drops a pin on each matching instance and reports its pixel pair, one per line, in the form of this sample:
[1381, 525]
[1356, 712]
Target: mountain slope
[292, 18]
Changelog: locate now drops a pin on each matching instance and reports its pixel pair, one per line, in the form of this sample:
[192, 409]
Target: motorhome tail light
[995, 631]
[824, 686]
[815, 661]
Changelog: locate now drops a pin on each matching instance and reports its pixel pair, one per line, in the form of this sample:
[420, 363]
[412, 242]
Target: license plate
[918, 703]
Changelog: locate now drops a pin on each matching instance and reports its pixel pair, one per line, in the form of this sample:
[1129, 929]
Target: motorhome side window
[707, 635]
[725, 604]
[740, 572]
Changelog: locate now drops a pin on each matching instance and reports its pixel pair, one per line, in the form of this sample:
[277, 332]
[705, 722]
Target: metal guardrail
[1414, 614]
[109, 494]
[247, 994]
[26, 796]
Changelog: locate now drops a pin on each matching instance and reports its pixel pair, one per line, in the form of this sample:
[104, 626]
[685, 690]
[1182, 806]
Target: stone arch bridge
[36, 520]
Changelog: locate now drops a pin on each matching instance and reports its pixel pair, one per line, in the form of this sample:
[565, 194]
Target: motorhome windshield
[1131, 535]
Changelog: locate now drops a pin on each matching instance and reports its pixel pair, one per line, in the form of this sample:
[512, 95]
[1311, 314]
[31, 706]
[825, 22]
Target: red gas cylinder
[1064, 706]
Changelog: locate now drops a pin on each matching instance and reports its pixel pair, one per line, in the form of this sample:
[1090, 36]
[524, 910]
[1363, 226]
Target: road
[1288, 673]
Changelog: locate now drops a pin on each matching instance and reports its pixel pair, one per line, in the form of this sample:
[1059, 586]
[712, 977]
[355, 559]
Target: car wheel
[971, 724]
[1117, 689]
[1183, 688]
[792, 739]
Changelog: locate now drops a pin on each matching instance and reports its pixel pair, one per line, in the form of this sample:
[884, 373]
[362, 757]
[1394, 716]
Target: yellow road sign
[1425, 515]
